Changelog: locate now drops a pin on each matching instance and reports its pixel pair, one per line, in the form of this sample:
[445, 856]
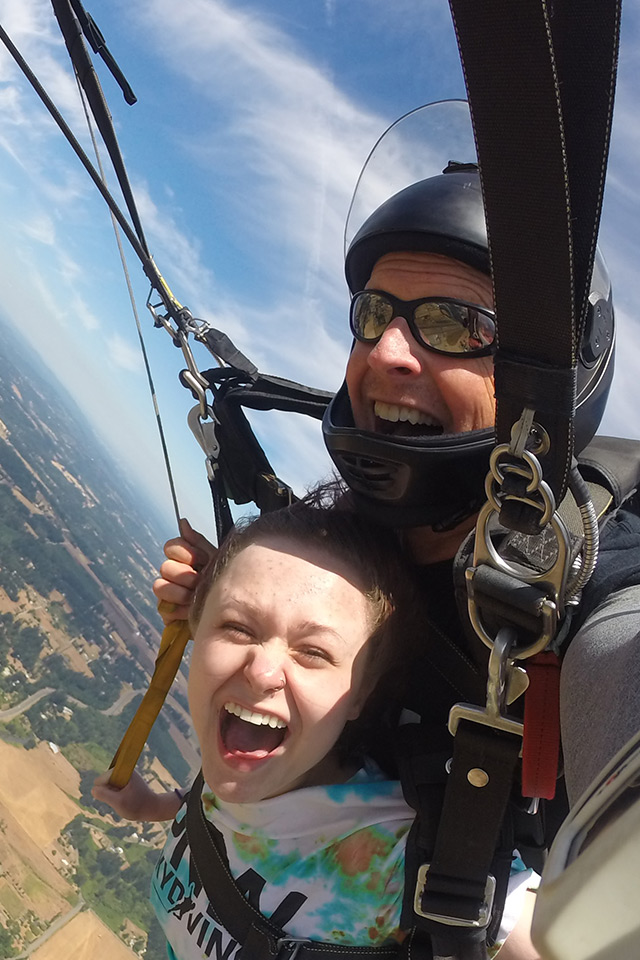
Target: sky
[252, 124]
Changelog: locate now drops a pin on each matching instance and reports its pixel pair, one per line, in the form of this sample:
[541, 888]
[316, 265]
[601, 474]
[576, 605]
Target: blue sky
[252, 123]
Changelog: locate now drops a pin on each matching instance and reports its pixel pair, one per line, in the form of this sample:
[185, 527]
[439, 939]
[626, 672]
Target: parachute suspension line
[66, 130]
[136, 316]
[87, 78]
[175, 636]
[151, 271]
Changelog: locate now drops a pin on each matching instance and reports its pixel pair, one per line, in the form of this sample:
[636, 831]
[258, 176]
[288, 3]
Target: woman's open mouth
[248, 734]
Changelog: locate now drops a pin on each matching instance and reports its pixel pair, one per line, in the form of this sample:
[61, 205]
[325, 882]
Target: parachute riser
[515, 478]
[511, 592]
[514, 606]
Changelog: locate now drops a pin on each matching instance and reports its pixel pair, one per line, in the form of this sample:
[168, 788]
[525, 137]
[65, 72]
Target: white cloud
[41, 228]
[79, 309]
[124, 355]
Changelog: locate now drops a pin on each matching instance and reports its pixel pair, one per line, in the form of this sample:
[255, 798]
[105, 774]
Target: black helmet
[439, 480]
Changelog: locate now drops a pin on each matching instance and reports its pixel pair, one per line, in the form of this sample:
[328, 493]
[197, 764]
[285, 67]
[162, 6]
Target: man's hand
[136, 801]
[186, 557]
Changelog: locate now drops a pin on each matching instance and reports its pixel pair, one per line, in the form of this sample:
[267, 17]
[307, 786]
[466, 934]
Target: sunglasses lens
[370, 316]
[446, 326]
[454, 327]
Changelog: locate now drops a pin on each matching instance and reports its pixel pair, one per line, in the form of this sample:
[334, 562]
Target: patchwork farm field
[85, 937]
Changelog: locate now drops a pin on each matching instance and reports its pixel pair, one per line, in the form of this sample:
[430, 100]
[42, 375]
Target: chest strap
[261, 939]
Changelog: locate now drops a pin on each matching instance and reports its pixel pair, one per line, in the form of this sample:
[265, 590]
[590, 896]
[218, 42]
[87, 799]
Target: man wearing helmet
[411, 432]
[412, 429]
[397, 387]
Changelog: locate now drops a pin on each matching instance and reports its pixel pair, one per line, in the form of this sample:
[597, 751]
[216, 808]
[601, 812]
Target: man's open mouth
[398, 421]
[250, 733]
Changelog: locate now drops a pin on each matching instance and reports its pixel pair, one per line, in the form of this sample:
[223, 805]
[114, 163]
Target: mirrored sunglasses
[441, 324]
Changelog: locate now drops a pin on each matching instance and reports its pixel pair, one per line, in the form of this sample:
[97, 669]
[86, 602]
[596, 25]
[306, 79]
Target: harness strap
[541, 744]
[540, 79]
[261, 939]
[72, 33]
[267, 392]
[456, 900]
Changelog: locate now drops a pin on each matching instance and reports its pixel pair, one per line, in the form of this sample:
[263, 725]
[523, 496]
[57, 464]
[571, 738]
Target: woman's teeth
[260, 719]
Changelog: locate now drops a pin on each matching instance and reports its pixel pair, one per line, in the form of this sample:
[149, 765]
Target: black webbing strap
[540, 79]
[98, 44]
[527, 68]
[261, 938]
[479, 786]
[266, 392]
[244, 474]
[72, 33]
[451, 902]
[223, 347]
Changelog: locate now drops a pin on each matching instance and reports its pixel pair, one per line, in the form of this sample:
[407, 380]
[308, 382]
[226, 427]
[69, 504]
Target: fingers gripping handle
[174, 640]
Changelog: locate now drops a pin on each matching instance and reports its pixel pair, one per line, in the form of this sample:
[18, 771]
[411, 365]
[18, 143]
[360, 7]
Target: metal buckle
[497, 683]
[292, 944]
[485, 909]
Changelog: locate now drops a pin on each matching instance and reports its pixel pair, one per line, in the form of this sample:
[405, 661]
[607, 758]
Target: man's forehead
[412, 274]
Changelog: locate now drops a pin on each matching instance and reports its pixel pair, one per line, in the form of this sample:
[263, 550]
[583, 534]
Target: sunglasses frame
[403, 307]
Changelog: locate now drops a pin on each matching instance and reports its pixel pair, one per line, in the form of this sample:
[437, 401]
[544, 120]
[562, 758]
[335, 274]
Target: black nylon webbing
[540, 81]
[261, 938]
[469, 826]
[88, 78]
[542, 153]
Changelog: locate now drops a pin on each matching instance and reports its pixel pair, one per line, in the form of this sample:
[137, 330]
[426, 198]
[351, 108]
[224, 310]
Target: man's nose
[397, 352]
[265, 668]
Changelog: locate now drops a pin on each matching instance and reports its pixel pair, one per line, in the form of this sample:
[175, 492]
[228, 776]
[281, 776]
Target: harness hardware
[546, 608]
[500, 668]
[204, 430]
[450, 921]
[291, 945]
[508, 477]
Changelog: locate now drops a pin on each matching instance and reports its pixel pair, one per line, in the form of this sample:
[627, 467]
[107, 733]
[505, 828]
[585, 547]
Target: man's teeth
[250, 716]
[389, 411]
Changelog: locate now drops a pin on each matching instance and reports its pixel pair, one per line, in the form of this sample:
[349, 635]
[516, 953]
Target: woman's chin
[239, 785]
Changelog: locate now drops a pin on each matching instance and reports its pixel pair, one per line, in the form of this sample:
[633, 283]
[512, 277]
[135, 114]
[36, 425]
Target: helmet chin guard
[438, 481]
[434, 481]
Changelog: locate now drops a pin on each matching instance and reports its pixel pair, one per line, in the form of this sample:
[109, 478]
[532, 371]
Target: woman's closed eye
[237, 630]
[314, 656]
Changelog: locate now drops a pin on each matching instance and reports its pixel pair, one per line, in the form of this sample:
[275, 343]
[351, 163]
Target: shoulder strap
[260, 937]
[530, 68]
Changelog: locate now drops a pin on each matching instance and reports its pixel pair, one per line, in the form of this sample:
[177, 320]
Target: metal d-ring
[535, 483]
[485, 551]
[553, 580]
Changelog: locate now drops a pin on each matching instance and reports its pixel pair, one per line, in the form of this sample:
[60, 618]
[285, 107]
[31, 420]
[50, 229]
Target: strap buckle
[500, 668]
[485, 910]
[292, 945]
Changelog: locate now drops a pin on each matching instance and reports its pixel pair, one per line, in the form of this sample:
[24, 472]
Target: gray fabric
[600, 689]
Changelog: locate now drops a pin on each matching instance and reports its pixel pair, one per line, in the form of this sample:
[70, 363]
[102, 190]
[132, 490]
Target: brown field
[34, 808]
[85, 937]
[162, 776]
[29, 878]
[33, 609]
[34, 787]
[31, 507]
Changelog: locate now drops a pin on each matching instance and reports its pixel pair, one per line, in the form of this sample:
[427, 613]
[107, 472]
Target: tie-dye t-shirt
[338, 849]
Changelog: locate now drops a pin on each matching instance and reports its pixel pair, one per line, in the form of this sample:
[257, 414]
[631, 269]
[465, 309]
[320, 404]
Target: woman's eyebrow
[314, 626]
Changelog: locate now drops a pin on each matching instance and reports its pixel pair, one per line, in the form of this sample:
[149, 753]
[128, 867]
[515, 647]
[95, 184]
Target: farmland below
[78, 635]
